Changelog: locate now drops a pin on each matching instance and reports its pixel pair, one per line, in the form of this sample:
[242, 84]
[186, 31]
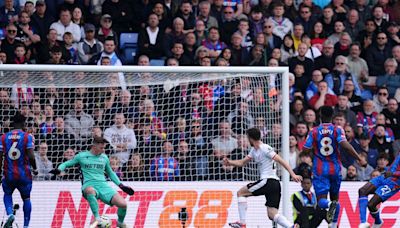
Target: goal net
[168, 127]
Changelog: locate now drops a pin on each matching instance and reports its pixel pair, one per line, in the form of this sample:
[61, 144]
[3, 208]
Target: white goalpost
[168, 128]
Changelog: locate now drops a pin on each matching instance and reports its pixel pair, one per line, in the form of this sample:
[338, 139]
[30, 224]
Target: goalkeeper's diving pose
[94, 164]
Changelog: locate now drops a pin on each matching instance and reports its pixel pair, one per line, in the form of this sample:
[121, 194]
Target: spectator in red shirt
[323, 97]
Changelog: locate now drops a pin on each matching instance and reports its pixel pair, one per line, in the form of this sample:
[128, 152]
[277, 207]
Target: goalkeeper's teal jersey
[93, 167]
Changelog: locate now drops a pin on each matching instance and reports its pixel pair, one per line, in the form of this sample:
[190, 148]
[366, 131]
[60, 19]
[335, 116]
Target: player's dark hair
[18, 121]
[254, 133]
[326, 113]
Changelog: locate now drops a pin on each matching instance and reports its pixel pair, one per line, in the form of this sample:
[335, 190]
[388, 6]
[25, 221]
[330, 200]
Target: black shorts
[270, 188]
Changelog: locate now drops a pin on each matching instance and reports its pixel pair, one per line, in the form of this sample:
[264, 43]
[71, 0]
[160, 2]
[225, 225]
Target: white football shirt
[264, 160]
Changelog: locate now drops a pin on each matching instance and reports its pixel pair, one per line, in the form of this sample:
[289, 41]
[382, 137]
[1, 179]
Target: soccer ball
[105, 222]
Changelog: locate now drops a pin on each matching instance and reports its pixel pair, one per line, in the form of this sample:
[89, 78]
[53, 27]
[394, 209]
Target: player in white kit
[268, 185]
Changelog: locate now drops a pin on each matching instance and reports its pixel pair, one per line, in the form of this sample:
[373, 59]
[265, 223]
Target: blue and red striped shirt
[164, 168]
[14, 146]
[325, 140]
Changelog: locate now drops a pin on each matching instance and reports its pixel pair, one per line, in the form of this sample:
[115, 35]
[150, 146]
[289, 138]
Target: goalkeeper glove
[126, 189]
[55, 172]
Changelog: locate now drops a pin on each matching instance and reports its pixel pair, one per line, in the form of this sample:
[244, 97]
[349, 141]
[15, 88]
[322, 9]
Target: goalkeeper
[93, 164]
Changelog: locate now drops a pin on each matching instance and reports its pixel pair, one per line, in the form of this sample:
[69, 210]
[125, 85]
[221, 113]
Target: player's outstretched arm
[349, 149]
[114, 178]
[64, 165]
[286, 165]
[237, 163]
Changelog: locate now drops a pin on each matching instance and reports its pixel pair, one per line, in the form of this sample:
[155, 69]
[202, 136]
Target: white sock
[282, 220]
[242, 205]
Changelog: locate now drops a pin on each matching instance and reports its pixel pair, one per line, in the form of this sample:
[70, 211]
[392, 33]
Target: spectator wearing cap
[41, 19]
[65, 24]
[121, 14]
[89, 46]
[105, 29]
[9, 43]
[8, 13]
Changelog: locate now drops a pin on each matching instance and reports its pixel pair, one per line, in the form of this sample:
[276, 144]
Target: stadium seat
[128, 55]
[157, 62]
[128, 40]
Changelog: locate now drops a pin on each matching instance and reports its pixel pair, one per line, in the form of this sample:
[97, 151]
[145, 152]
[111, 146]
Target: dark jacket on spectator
[394, 119]
[43, 55]
[153, 51]
[9, 48]
[376, 58]
[385, 147]
[42, 24]
[121, 15]
[323, 61]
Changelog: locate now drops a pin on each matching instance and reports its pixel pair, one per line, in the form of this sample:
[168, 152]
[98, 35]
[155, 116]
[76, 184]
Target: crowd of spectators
[344, 54]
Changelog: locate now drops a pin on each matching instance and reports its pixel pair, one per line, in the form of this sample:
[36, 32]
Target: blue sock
[377, 216]
[27, 212]
[362, 203]
[8, 203]
[323, 203]
[336, 216]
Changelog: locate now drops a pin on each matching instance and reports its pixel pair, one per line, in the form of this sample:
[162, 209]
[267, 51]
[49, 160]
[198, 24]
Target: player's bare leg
[375, 211]
[242, 194]
[273, 214]
[120, 202]
[90, 194]
[363, 193]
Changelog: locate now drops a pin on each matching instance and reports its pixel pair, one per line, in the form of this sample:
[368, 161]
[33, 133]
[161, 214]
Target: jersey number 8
[14, 153]
[326, 146]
